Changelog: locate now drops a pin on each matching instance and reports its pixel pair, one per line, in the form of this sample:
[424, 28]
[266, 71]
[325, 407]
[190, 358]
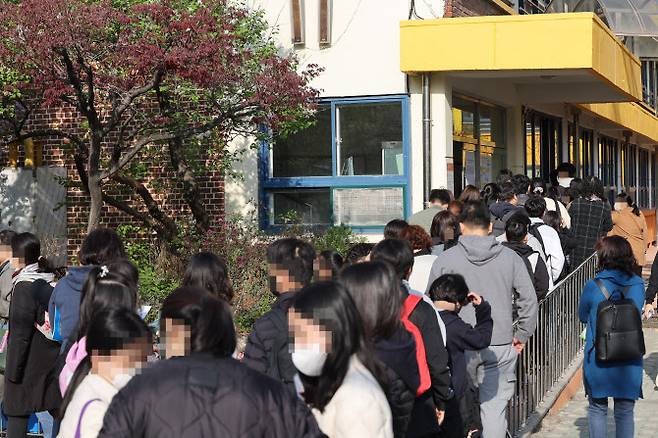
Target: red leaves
[73, 49]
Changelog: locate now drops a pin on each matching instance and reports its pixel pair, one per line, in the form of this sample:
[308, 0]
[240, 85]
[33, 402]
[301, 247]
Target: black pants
[17, 427]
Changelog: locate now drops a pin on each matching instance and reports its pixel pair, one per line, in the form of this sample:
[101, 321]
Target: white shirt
[552, 247]
[92, 387]
[564, 213]
[358, 409]
[420, 273]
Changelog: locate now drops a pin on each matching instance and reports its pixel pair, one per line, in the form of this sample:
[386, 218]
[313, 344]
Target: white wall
[364, 57]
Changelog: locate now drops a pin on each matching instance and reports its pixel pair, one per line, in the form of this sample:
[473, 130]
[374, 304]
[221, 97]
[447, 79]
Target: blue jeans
[598, 418]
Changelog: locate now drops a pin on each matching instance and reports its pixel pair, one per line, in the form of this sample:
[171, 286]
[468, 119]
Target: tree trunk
[191, 191]
[96, 201]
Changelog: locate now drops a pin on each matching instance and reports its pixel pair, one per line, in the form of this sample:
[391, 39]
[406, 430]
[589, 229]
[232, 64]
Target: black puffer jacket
[398, 354]
[267, 346]
[203, 396]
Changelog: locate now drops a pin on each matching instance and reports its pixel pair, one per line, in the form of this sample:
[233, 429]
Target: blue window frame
[369, 156]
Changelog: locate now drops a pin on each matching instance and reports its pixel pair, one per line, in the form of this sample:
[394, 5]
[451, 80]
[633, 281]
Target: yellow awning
[546, 58]
[630, 116]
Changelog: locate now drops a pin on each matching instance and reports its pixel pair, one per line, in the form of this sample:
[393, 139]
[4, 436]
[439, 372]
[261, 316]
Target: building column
[442, 158]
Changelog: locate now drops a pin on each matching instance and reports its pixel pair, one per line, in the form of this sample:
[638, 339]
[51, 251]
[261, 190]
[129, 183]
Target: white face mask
[121, 380]
[564, 182]
[309, 360]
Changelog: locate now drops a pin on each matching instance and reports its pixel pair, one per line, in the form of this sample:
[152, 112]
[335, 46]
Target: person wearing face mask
[561, 179]
[106, 286]
[290, 265]
[117, 343]
[30, 385]
[200, 390]
[339, 378]
[629, 223]
[450, 294]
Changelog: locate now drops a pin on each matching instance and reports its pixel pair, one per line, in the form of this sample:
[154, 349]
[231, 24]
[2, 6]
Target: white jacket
[358, 409]
[552, 246]
[92, 387]
[564, 213]
[420, 273]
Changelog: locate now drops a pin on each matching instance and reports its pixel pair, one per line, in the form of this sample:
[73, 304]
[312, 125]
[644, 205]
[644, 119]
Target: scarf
[31, 273]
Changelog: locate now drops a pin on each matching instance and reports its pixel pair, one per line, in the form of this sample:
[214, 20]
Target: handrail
[552, 348]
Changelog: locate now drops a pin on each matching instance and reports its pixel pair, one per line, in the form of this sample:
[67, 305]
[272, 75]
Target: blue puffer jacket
[64, 305]
[619, 380]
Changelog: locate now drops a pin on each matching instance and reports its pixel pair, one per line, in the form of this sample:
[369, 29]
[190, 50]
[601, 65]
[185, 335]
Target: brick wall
[169, 197]
[472, 8]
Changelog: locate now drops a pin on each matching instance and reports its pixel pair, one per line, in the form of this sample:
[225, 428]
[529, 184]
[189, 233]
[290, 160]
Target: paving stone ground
[571, 421]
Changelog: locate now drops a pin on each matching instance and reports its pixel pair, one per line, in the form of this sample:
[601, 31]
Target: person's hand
[648, 311]
[518, 345]
[474, 298]
[440, 416]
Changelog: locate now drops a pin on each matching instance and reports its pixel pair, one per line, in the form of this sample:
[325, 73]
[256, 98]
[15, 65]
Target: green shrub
[242, 244]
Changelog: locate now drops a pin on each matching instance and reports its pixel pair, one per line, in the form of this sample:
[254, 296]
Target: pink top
[75, 355]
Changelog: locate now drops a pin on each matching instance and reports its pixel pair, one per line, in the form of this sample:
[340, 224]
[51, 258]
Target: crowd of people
[415, 336]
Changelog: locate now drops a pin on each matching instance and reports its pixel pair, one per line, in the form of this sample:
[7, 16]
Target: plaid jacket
[590, 220]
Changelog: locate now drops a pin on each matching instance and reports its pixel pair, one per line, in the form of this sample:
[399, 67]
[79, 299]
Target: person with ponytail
[338, 376]
[29, 382]
[106, 286]
[375, 290]
[101, 247]
[629, 223]
[200, 390]
[117, 343]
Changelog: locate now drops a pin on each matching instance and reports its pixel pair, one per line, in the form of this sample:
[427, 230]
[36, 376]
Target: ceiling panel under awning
[624, 17]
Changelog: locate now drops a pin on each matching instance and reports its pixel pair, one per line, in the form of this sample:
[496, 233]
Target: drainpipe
[427, 126]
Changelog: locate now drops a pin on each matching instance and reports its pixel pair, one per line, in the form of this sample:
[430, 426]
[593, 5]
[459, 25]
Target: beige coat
[634, 229]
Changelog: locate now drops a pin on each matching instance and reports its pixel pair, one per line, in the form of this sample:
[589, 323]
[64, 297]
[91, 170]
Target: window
[478, 142]
[650, 83]
[349, 167]
[643, 179]
[542, 144]
[608, 165]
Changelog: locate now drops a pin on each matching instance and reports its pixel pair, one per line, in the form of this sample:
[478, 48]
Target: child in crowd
[327, 265]
[359, 252]
[290, 265]
[118, 342]
[210, 272]
[450, 294]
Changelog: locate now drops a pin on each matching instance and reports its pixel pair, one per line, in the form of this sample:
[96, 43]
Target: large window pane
[305, 153]
[463, 117]
[308, 206]
[370, 139]
[368, 207]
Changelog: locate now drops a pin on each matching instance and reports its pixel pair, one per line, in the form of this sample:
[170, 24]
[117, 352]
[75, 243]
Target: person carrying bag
[610, 306]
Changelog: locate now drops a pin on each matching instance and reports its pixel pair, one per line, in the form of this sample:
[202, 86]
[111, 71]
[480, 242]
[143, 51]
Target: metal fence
[552, 348]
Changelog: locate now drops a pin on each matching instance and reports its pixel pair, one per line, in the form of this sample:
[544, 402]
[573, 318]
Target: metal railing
[552, 348]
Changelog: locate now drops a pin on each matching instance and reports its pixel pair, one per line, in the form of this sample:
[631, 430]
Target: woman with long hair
[338, 376]
[375, 289]
[101, 247]
[200, 389]
[445, 232]
[629, 222]
[117, 343]
[469, 194]
[29, 382]
[210, 272]
[621, 381]
[114, 285]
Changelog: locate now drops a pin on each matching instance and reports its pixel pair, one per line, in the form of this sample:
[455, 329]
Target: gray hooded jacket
[494, 272]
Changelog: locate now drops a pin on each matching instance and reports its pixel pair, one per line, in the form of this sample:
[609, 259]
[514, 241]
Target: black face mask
[272, 282]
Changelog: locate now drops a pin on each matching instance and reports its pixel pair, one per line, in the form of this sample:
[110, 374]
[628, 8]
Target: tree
[184, 75]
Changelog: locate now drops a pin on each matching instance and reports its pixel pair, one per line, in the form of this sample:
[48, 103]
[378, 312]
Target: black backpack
[619, 336]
